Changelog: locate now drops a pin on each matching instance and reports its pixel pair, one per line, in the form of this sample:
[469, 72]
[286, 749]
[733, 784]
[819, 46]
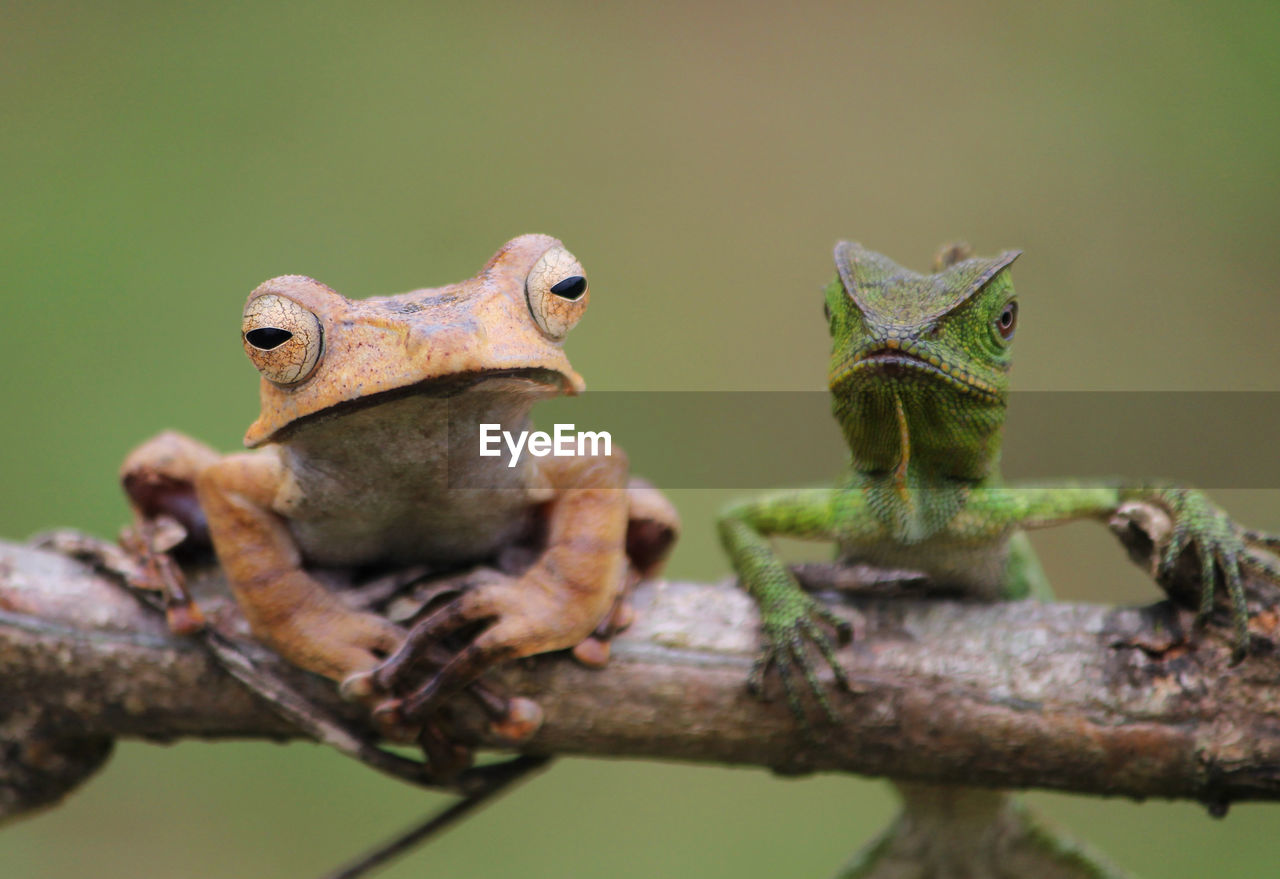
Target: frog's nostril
[267, 338]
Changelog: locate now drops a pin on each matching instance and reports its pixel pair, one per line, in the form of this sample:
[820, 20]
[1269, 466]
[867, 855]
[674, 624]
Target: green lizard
[919, 380]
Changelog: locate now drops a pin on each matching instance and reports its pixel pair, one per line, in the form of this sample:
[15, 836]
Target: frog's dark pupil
[571, 287]
[266, 338]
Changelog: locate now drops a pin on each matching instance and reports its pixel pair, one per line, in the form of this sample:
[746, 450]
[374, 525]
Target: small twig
[494, 780]
[311, 719]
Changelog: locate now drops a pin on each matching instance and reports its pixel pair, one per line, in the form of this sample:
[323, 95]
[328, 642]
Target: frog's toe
[379, 635]
[468, 664]
[514, 719]
[594, 651]
[447, 757]
[359, 687]
[523, 717]
[346, 648]
[425, 643]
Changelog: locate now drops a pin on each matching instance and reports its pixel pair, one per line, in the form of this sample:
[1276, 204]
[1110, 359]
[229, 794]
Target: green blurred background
[158, 161]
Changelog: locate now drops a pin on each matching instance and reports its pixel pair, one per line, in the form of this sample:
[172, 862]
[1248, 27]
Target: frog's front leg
[652, 528]
[555, 604]
[286, 608]
[790, 618]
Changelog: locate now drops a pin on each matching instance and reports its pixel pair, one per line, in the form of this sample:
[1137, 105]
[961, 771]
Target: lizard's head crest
[953, 327]
[925, 355]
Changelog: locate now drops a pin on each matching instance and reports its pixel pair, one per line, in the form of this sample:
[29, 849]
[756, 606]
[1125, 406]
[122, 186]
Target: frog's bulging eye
[1007, 322]
[283, 339]
[557, 292]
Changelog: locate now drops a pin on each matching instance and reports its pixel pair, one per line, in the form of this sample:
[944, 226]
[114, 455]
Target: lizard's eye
[1007, 322]
[282, 338]
[557, 292]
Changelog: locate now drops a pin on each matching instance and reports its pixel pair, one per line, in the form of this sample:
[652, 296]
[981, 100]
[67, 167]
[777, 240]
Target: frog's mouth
[526, 384]
[538, 378]
[894, 362]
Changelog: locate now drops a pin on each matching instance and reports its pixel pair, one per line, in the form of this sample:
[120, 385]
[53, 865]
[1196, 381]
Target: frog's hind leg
[652, 528]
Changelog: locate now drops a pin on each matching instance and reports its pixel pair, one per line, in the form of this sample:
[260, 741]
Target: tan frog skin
[351, 466]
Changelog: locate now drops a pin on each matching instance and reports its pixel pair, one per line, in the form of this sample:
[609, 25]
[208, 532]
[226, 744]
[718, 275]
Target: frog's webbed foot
[514, 719]
[159, 479]
[142, 561]
[150, 542]
[789, 627]
[570, 593]
[448, 648]
[475, 618]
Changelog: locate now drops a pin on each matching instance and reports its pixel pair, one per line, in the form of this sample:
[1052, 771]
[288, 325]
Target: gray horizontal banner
[783, 439]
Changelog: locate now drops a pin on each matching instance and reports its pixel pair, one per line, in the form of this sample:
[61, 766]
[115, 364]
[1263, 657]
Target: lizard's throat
[917, 438]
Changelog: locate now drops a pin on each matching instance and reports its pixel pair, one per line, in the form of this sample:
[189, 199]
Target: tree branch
[1012, 695]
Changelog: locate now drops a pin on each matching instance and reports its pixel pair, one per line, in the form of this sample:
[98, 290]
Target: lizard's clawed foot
[1222, 548]
[788, 631]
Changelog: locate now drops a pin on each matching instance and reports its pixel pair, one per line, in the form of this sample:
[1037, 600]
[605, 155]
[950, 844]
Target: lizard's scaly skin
[919, 378]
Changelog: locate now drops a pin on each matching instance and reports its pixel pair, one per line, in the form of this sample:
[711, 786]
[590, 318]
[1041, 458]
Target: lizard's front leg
[1224, 549]
[790, 618]
[285, 607]
[556, 604]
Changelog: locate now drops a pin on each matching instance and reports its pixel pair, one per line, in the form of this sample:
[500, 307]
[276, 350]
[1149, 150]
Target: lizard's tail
[967, 833]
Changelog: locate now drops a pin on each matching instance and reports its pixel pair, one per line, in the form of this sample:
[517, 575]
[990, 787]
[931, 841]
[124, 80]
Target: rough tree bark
[1118, 701]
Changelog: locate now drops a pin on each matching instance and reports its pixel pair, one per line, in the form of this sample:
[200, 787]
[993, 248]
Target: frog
[361, 456]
